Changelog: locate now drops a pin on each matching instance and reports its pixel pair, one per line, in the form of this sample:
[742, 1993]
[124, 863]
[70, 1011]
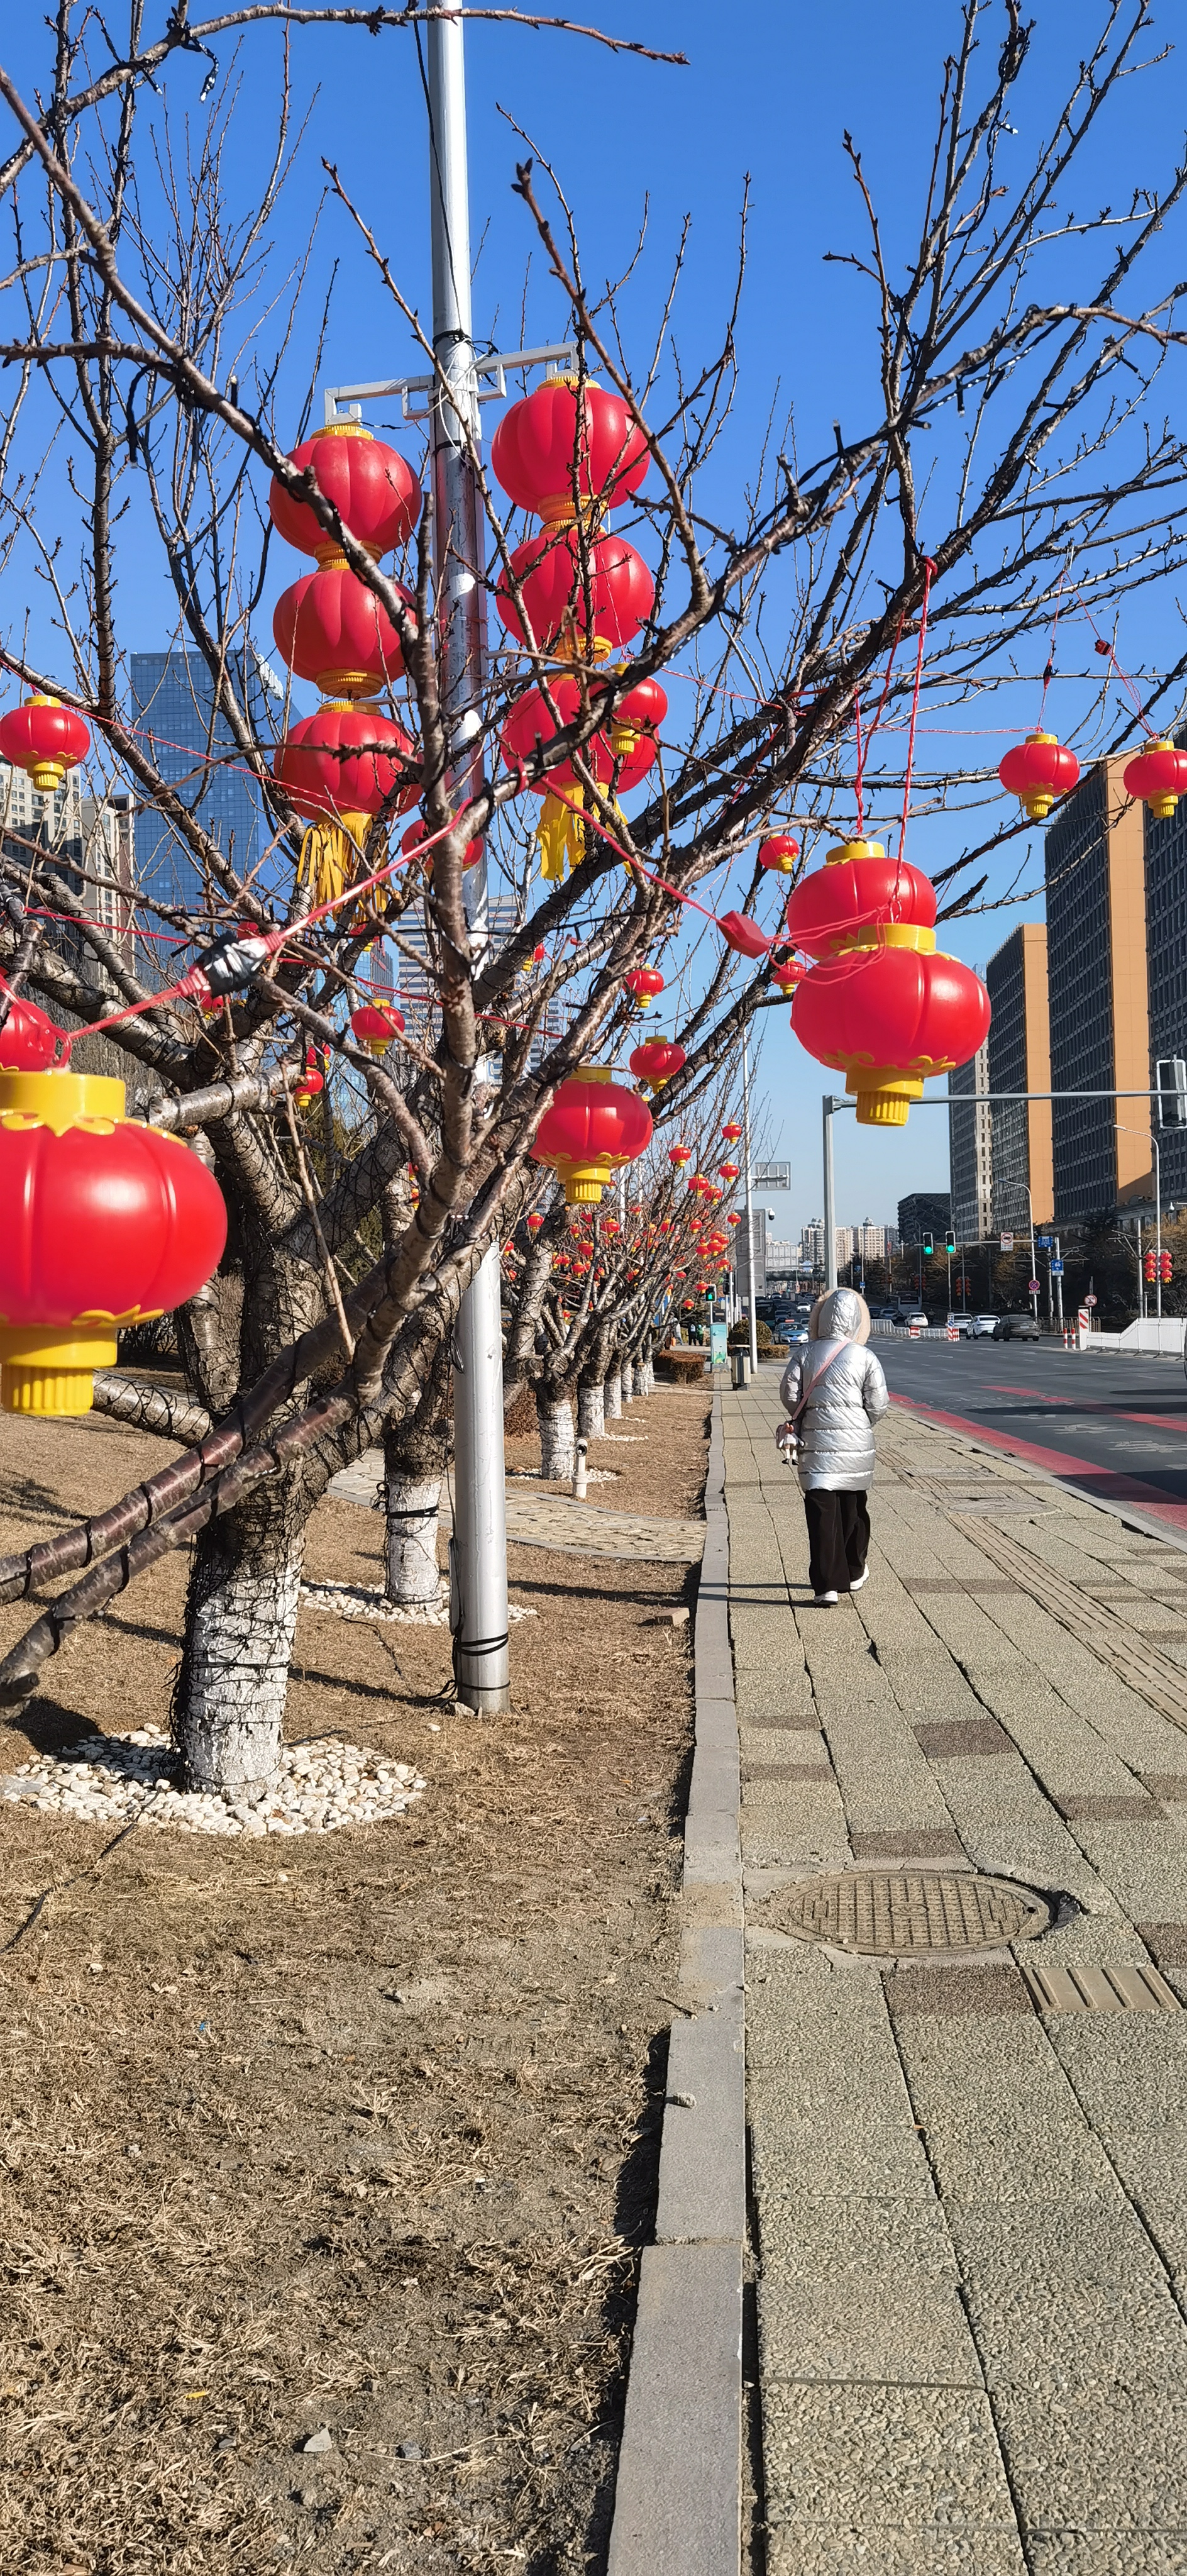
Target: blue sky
[769, 89]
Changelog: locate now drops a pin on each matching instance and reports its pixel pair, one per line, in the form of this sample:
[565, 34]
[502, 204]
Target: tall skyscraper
[1098, 997]
[1019, 1052]
[194, 750]
[970, 1150]
[1166, 969]
[925, 1212]
[758, 1225]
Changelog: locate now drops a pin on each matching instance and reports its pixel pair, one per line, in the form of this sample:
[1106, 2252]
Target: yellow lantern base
[1038, 802]
[1162, 807]
[47, 1372]
[843, 850]
[884, 1095]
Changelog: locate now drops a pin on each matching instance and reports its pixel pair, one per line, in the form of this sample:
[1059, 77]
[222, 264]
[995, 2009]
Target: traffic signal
[1166, 1268]
[950, 1241]
[1170, 1083]
[1150, 1267]
[928, 1245]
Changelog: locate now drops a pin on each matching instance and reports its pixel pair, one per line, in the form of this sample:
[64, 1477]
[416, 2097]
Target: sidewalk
[969, 2160]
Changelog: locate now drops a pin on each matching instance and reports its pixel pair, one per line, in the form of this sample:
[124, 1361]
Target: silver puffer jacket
[846, 1396]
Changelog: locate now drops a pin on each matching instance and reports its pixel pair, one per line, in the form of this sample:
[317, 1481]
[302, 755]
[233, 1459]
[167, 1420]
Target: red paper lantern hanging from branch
[888, 1021]
[860, 899]
[644, 982]
[376, 1026]
[1037, 771]
[534, 1221]
[332, 630]
[311, 1078]
[656, 1061]
[596, 593]
[731, 1132]
[593, 1126]
[568, 446]
[107, 1223]
[729, 1172]
[618, 755]
[45, 740]
[678, 1155]
[341, 767]
[419, 832]
[779, 852]
[1157, 777]
[788, 974]
[375, 493]
[29, 1041]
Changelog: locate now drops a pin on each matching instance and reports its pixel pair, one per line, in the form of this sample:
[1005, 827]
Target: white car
[980, 1328]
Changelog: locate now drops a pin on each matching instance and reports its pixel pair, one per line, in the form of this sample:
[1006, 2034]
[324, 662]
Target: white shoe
[825, 1601]
[859, 1579]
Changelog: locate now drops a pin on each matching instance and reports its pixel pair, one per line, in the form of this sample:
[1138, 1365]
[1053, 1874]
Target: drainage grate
[1098, 1989]
[891, 1914]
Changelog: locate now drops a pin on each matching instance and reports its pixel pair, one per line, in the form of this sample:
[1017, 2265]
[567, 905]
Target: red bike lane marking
[1096, 1404]
[1110, 1484]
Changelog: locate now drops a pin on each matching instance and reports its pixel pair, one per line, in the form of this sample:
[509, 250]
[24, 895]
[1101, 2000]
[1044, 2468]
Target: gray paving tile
[1115, 2553]
[862, 2288]
[1097, 2456]
[808, 2551]
[1067, 2291]
[856, 2458]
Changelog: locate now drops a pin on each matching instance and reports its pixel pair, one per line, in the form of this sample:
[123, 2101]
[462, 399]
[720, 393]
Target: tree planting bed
[352, 2134]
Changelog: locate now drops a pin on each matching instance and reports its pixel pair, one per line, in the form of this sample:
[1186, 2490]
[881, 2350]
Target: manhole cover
[888, 1912]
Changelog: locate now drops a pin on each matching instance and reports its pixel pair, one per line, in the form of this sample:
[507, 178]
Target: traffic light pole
[478, 1548]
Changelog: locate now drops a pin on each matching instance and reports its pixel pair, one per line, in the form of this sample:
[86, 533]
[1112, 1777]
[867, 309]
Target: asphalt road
[1114, 1427]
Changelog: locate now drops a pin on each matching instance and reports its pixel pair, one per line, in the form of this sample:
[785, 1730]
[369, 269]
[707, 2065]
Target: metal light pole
[478, 1549]
[829, 1107]
[749, 1201]
[1158, 1221]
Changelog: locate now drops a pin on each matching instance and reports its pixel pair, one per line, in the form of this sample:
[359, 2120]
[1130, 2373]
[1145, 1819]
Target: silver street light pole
[749, 1201]
[478, 1549]
[829, 1106]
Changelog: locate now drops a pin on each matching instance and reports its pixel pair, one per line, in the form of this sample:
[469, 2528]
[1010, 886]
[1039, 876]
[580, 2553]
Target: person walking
[834, 1392]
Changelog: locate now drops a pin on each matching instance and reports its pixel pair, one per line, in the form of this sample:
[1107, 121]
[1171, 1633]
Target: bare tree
[1013, 449]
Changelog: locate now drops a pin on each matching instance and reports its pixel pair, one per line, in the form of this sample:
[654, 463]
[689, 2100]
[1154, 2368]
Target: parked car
[911, 1315]
[1016, 1328]
[981, 1328]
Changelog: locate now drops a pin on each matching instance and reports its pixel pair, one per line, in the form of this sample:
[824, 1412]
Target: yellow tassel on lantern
[331, 854]
[561, 834]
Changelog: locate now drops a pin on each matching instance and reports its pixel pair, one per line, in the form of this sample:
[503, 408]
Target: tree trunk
[645, 1379]
[628, 1382]
[591, 1411]
[411, 1574]
[612, 1396]
[554, 1413]
[241, 1613]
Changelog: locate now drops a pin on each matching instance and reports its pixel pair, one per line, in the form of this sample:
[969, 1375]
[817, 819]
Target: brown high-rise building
[1020, 1060]
[1097, 995]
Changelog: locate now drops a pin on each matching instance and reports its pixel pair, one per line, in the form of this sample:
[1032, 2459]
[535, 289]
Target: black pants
[838, 1538]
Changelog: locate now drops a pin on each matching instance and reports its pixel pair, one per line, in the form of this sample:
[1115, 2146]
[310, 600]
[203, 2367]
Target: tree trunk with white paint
[241, 1614]
[411, 1573]
[612, 1396]
[628, 1382]
[591, 1411]
[554, 1413]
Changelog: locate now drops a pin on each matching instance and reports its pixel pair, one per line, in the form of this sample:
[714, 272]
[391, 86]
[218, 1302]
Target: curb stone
[678, 2501]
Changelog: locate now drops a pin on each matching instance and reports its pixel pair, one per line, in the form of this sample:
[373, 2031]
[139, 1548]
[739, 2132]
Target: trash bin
[741, 1368]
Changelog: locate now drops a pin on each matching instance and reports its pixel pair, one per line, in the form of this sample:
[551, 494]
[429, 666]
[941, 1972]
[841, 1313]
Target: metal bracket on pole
[345, 402]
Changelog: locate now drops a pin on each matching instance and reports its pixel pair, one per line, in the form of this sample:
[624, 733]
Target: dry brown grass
[357, 2130]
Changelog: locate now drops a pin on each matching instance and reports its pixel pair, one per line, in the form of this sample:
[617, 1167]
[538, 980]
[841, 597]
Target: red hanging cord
[928, 573]
[858, 782]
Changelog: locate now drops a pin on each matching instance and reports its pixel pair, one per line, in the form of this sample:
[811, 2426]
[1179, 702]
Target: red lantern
[597, 594]
[28, 1040]
[107, 1223]
[678, 1155]
[733, 1218]
[45, 740]
[656, 1061]
[341, 766]
[729, 1172]
[888, 1021]
[376, 1025]
[1157, 777]
[534, 1221]
[375, 493]
[331, 629]
[742, 934]
[310, 1080]
[860, 899]
[1037, 771]
[644, 982]
[780, 852]
[593, 1126]
[565, 445]
[419, 832]
[618, 756]
[790, 973]
[731, 1132]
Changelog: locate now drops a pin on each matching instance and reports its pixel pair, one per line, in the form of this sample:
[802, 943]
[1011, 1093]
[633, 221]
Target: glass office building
[193, 749]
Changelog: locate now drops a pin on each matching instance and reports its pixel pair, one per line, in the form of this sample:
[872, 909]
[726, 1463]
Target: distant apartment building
[970, 1150]
[925, 1212]
[812, 1245]
[1098, 995]
[1019, 1060]
[783, 1259]
[89, 842]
